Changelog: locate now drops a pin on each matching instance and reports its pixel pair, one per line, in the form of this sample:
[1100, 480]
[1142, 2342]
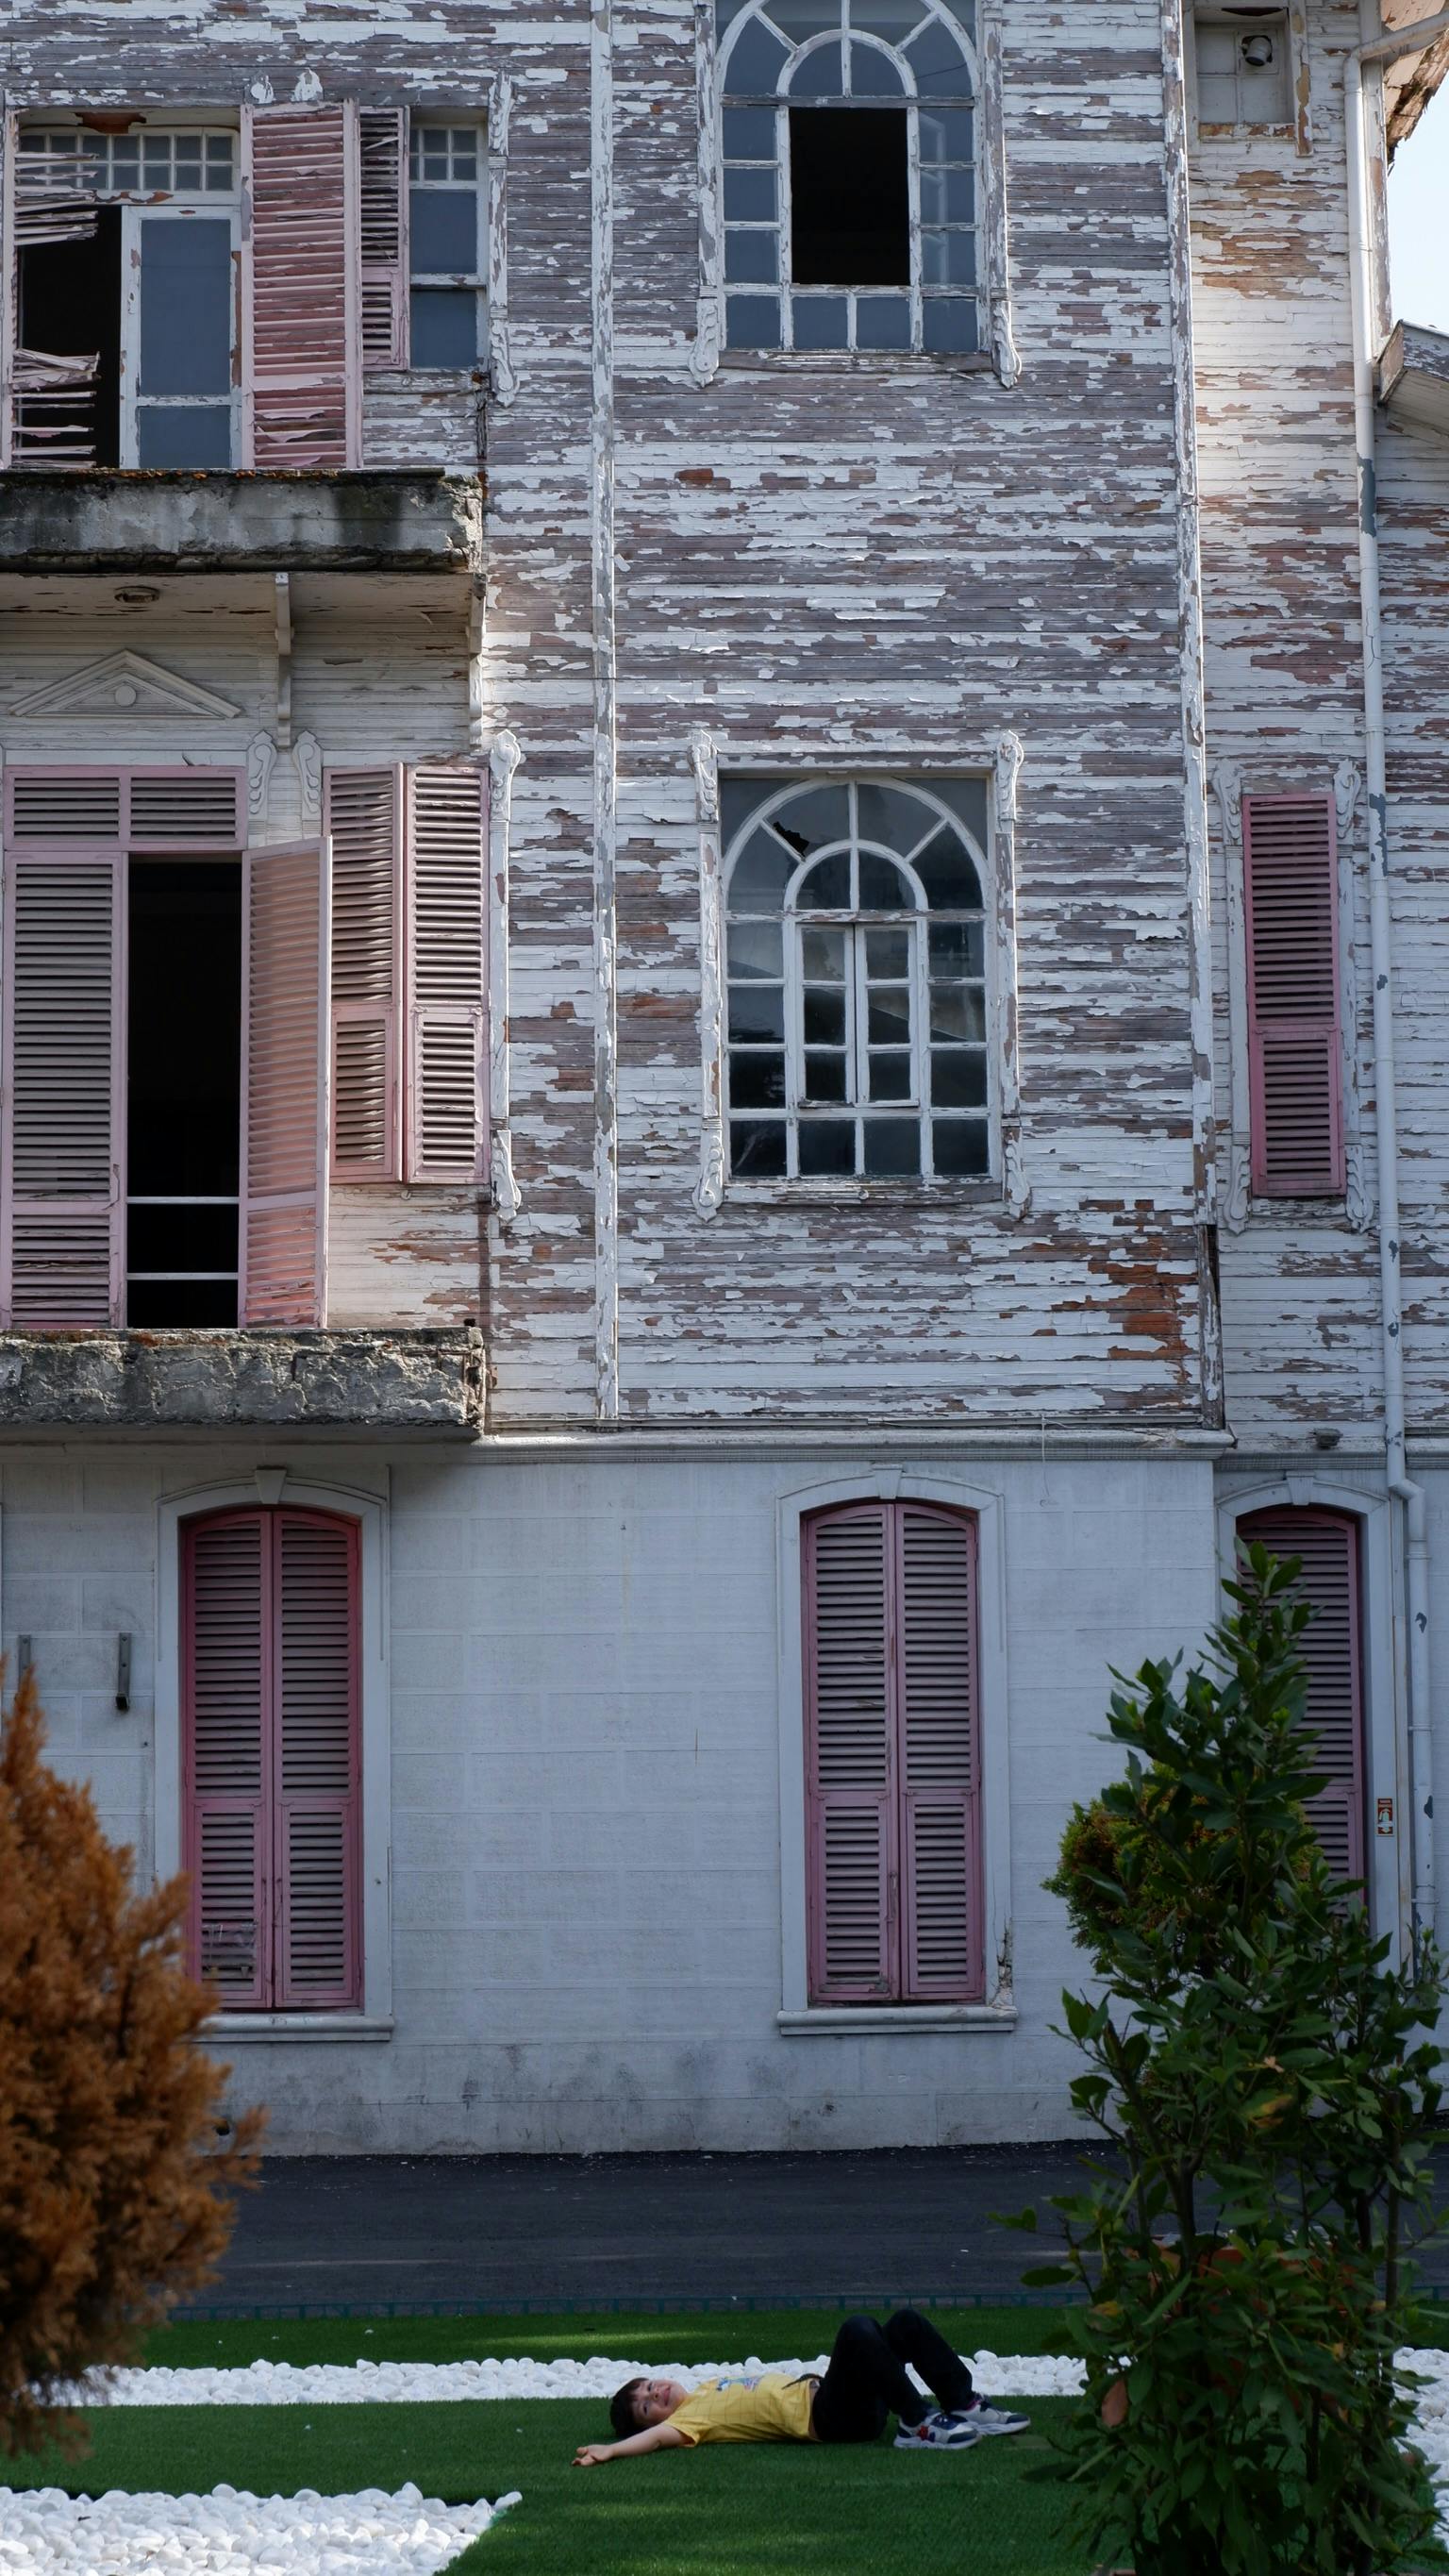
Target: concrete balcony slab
[380, 1383]
[404, 520]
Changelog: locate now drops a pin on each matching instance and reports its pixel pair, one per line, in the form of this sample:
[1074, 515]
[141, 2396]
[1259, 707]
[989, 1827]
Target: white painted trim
[993, 229]
[1386, 1722]
[605, 718]
[172, 210]
[369, 1510]
[503, 374]
[9, 146]
[709, 1188]
[901, 2021]
[503, 759]
[1001, 1001]
[244, 2030]
[704, 357]
[903, 1484]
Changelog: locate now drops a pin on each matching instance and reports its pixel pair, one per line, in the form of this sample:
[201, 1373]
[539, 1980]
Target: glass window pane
[822, 322]
[752, 258]
[827, 1148]
[819, 75]
[938, 63]
[443, 226]
[814, 819]
[882, 886]
[892, 20]
[890, 1015]
[443, 326]
[218, 148]
[958, 1078]
[958, 1014]
[757, 1013]
[958, 948]
[887, 953]
[826, 886]
[960, 1148]
[187, 434]
[757, 1148]
[892, 1148]
[823, 953]
[749, 196]
[890, 1077]
[948, 259]
[756, 61]
[950, 323]
[874, 74]
[760, 875]
[125, 174]
[749, 134]
[757, 1081]
[947, 134]
[824, 1015]
[802, 19]
[186, 306]
[882, 322]
[825, 1077]
[947, 196]
[948, 873]
[891, 816]
[756, 948]
[752, 322]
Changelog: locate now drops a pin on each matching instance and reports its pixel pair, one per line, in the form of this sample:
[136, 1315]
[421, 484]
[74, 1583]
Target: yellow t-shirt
[770, 2408]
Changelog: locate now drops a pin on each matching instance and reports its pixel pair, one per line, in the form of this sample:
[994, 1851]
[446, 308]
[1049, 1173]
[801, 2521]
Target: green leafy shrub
[1264, 2072]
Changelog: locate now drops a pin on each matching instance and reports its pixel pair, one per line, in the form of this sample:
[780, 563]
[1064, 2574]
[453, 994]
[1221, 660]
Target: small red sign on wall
[1386, 1817]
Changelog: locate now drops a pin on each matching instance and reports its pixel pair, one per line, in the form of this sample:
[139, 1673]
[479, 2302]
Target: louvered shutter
[1331, 1648]
[317, 1758]
[852, 1876]
[227, 1709]
[447, 1126]
[285, 916]
[935, 1567]
[301, 287]
[383, 139]
[1295, 1066]
[60, 1186]
[364, 809]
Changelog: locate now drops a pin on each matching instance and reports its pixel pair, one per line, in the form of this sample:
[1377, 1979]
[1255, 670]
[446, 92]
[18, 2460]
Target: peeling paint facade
[1103, 570]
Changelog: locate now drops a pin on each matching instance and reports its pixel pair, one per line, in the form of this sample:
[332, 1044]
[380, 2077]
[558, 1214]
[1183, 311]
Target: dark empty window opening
[183, 1112]
[70, 308]
[850, 207]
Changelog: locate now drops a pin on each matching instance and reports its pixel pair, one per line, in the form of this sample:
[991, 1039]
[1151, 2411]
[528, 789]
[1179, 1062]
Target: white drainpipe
[1404, 40]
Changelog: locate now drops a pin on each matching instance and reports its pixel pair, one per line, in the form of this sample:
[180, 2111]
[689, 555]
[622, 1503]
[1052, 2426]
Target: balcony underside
[375, 1382]
[99, 522]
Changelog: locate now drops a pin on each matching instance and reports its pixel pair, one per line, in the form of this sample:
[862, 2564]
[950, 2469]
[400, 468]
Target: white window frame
[1388, 1859]
[798, 2018]
[269, 1486]
[134, 398]
[420, 121]
[1291, 19]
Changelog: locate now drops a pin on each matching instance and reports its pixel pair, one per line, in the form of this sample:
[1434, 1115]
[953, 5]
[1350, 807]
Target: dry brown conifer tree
[114, 2180]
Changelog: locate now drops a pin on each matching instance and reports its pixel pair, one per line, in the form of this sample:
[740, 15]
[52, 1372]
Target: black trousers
[867, 2378]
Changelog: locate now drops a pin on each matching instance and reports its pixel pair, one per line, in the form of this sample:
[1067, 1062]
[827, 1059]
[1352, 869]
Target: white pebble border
[47, 2533]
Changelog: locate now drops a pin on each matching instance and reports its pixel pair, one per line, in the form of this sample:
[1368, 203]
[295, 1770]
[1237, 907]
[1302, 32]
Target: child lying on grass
[866, 2382]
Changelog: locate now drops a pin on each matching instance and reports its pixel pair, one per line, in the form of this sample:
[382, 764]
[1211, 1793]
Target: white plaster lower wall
[586, 1882]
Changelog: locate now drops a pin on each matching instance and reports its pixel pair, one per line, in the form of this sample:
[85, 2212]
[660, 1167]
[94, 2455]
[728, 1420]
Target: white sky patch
[1419, 220]
[48, 2533]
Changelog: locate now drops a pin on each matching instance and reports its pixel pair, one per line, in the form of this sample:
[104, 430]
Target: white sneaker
[995, 2419]
[939, 2432]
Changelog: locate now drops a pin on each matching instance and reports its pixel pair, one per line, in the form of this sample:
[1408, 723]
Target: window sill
[825, 2021]
[887, 1193]
[236, 2029]
[863, 362]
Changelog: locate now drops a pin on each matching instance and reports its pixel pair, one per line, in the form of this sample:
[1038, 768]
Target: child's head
[621, 2410]
[642, 2402]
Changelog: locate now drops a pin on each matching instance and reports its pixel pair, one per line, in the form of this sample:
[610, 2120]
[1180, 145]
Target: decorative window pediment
[124, 684]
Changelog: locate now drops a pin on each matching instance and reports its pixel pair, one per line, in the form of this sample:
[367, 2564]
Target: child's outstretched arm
[655, 2437]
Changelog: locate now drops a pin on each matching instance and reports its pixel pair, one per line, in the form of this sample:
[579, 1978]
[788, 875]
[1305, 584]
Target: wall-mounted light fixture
[123, 1672]
[1258, 53]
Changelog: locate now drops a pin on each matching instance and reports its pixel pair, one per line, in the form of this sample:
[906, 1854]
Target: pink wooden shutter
[1331, 1648]
[849, 1753]
[285, 910]
[364, 824]
[1290, 866]
[447, 882]
[935, 1567]
[301, 335]
[319, 1949]
[227, 1759]
[383, 135]
[63, 1145]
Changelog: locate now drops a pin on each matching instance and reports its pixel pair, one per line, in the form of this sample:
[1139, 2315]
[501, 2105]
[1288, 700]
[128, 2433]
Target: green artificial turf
[720, 2335]
[791, 2510]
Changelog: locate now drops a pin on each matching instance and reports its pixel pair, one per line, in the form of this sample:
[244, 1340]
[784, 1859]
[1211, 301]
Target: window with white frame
[849, 146]
[858, 1002]
[1242, 66]
[447, 210]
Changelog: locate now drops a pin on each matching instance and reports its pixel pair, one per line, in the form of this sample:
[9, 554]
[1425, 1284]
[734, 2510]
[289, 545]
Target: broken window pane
[850, 197]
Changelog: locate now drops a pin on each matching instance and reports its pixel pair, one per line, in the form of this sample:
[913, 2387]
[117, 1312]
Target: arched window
[850, 175]
[1327, 1543]
[271, 1757]
[856, 958]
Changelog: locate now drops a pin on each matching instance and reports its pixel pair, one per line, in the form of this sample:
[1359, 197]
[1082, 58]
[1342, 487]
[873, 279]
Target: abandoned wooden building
[725, 951]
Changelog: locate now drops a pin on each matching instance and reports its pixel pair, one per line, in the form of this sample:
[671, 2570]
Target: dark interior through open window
[850, 207]
[183, 1095]
[70, 306]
